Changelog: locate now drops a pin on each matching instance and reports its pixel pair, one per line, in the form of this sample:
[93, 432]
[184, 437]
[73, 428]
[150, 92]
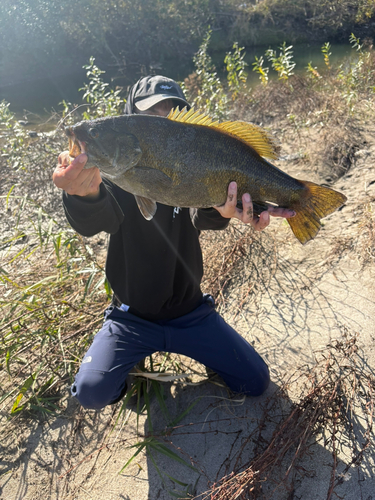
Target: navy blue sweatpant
[126, 339]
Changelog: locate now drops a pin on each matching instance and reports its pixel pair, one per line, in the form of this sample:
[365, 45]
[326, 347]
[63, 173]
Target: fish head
[111, 150]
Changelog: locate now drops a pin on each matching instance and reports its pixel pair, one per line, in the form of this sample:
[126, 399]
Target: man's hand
[246, 215]
[73, 179]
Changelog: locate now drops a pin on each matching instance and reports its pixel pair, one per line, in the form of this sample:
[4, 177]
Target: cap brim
[148, 102]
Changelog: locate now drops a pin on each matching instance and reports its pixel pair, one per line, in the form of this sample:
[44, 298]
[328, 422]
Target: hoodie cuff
[208, 218]
[85, 202]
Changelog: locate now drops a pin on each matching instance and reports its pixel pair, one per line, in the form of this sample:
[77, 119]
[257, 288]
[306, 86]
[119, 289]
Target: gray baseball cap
[154, 89]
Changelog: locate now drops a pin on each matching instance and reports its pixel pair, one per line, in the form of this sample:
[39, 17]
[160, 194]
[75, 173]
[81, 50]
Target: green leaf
[26, 385]
[183, 414]
[148, 409]
[162, 448]
[174, 493]
[140, 447]
[7, 359]
[88, 283]
[107, 288]
[159, 396]
[7, 198]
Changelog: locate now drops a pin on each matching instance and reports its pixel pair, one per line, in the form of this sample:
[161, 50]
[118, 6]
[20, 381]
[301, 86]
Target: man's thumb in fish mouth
[82, 158]
[78, 164]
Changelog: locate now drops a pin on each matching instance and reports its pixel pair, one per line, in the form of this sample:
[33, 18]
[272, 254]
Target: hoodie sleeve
[89, 217]
[208, 218]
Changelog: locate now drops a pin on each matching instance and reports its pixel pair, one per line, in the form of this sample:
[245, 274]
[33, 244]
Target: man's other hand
[246, 214]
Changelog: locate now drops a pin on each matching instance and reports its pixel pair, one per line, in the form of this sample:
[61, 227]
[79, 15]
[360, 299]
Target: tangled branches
[336, 394]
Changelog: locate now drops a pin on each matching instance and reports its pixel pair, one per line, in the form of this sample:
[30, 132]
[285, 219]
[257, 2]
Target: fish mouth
[76, 147]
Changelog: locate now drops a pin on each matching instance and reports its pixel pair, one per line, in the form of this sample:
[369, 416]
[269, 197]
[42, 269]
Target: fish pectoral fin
[152, 180]
[146, 206]
[317, 202]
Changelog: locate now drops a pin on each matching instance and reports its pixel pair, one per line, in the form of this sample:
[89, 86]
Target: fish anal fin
[254, 136]
[317, 202]
[146, 206]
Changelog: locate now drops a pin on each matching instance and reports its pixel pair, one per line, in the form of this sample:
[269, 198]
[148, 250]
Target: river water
[35, 100]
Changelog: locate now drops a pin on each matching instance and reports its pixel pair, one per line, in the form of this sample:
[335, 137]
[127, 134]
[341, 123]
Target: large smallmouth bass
[188, 160]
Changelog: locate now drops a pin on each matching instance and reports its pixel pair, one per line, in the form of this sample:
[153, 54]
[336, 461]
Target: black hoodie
[154, 266]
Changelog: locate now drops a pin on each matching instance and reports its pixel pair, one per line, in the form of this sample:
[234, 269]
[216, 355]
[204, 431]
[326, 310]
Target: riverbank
[306, 308]
[289, 300]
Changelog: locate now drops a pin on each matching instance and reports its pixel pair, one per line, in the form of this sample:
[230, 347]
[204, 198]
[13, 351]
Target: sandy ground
[305, 297]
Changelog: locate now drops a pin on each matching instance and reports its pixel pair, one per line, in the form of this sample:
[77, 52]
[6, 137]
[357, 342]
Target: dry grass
[360, 243]
[223, 252]
[239, 258]
[52, 293]
[278, 99]
[336, 403]
[51, 307]
[365, 243]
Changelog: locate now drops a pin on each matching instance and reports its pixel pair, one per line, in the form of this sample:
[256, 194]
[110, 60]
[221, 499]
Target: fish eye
[94, 133]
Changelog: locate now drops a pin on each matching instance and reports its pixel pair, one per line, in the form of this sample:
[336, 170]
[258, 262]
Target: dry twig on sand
[335, 392]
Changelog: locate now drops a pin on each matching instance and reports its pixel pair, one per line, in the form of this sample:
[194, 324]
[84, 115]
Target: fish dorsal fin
[252, 135]
[192, 116]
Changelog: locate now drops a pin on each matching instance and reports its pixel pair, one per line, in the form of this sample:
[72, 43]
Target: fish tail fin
[317, 202]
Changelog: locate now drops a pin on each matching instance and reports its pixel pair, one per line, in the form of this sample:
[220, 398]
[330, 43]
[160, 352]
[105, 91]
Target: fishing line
[70, 112]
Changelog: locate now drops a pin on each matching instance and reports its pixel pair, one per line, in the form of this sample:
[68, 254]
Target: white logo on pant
[176, 211]
[87, 359]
